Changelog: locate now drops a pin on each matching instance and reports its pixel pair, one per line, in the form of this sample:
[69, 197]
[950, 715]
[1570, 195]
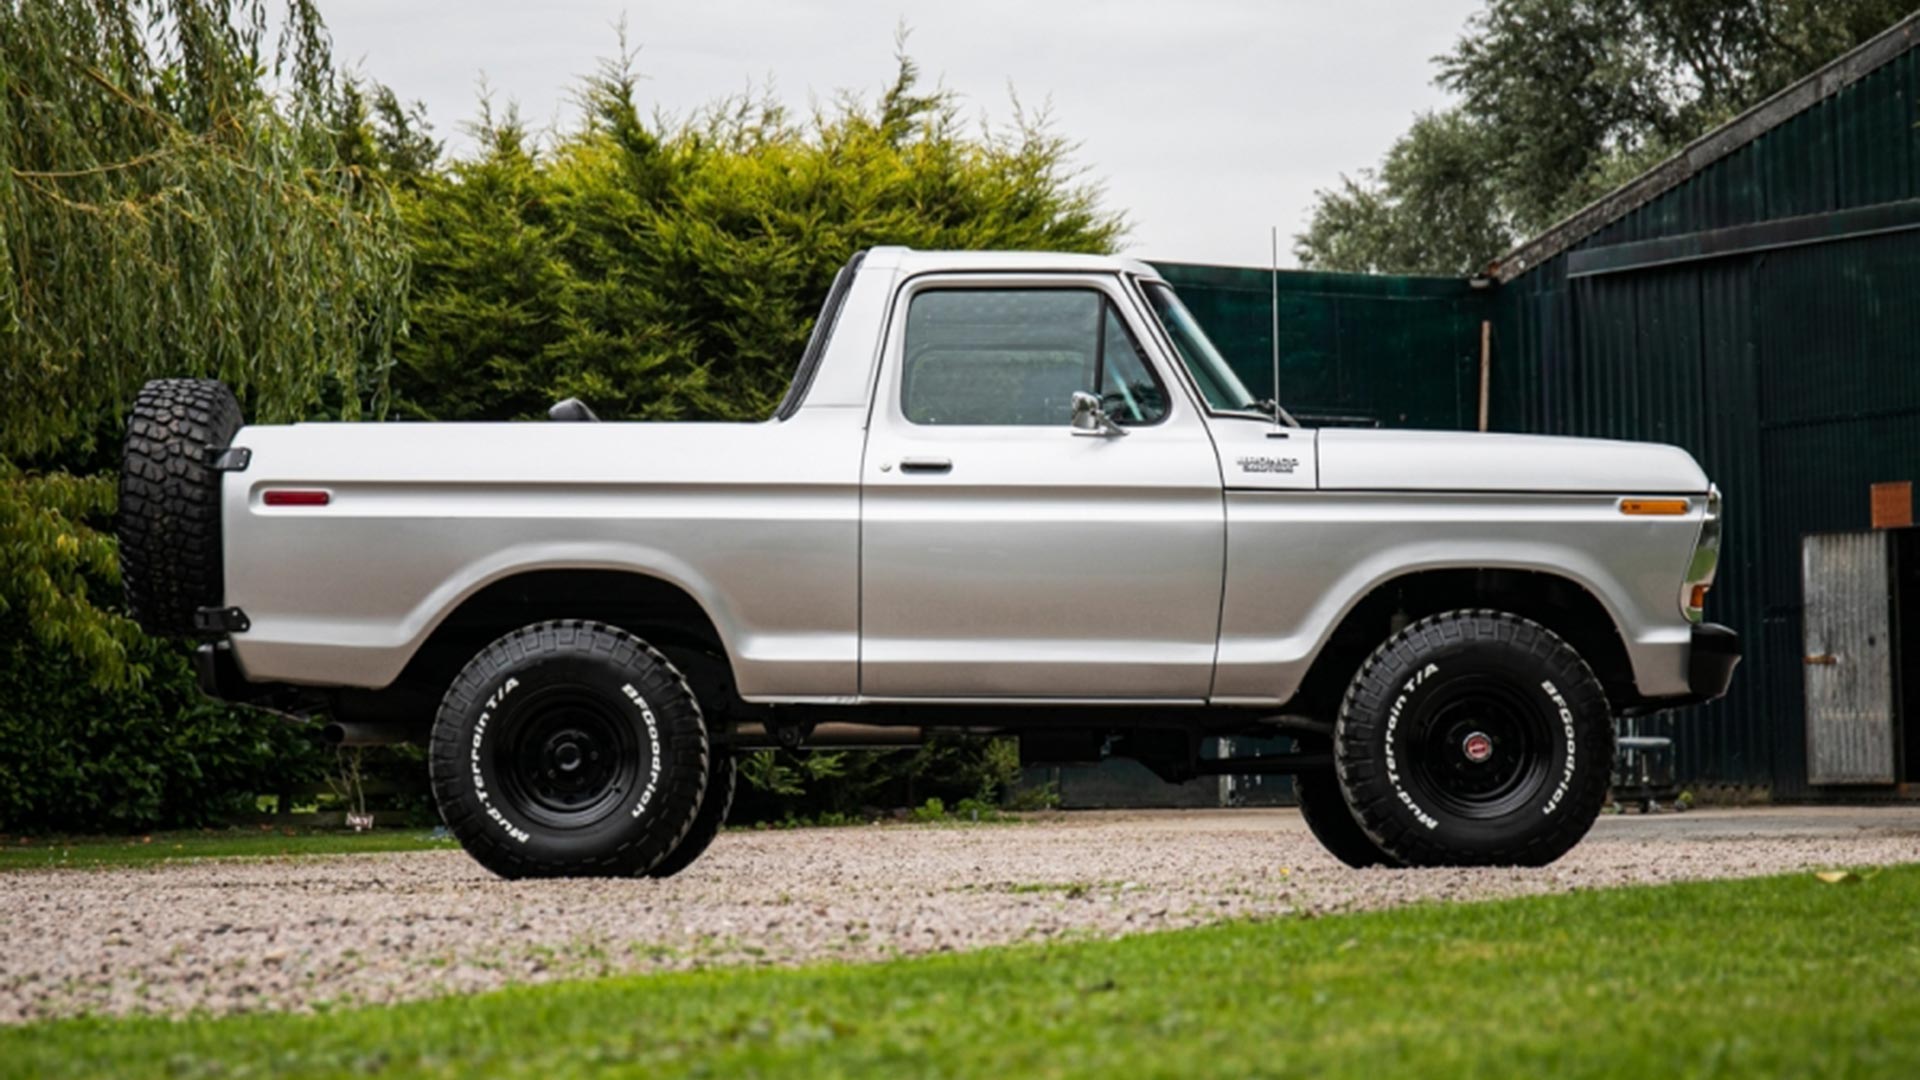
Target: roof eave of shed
[1711, 147]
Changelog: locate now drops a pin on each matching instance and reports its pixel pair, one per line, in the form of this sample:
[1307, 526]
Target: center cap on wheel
[1477, 747]
[567, 756]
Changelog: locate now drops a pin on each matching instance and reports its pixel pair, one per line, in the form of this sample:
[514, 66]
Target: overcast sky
[1206, 120]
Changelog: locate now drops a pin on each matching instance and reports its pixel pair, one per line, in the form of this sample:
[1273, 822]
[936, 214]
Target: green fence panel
[1358, 349]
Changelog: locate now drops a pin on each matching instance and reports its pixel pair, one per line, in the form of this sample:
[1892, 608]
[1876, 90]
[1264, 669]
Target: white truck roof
[843, 379]
[910, 261]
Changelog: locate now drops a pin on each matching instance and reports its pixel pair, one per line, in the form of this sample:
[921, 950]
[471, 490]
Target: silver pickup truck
[1006, 494]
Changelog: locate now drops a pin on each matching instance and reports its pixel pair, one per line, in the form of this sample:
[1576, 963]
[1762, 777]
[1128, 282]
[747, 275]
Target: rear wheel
[723, 776]
[569, 749]
[1475, 738]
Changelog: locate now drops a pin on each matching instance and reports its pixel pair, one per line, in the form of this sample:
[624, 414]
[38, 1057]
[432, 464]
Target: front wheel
[569, 749]
[1475, 738]
[1324, 808]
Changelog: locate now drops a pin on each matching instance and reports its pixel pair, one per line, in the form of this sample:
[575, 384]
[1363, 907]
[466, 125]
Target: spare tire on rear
[169, 518]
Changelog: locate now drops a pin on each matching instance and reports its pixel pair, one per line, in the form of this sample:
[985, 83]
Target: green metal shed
[1754, 299]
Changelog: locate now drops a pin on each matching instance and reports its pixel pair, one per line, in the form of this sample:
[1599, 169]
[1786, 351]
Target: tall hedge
[672, 270]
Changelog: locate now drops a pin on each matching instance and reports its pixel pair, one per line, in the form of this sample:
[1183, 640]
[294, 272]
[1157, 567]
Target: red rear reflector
[297, 498]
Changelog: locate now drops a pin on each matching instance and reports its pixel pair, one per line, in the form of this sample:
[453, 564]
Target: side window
[1017, 357]
[1128, 391]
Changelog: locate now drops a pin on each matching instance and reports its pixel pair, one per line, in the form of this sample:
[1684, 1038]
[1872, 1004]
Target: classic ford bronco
[1006, 494]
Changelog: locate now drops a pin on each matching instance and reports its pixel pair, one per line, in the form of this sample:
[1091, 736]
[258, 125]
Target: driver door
[1004, 553]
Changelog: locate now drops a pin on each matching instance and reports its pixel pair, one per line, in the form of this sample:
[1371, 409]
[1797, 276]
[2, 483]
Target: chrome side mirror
[1090, 419]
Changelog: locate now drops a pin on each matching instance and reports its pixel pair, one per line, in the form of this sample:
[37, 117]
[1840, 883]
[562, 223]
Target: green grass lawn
[1780, 977]
[45, 852]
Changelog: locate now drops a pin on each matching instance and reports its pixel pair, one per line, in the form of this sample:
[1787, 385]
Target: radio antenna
[1274, 279]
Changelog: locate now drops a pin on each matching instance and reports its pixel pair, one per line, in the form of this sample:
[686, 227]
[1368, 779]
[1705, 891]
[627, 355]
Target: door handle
[926, 464]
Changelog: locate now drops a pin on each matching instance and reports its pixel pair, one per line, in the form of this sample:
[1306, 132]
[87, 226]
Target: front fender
[1298, 563]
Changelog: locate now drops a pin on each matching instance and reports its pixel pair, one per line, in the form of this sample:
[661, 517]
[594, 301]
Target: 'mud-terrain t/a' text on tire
[1013, 494]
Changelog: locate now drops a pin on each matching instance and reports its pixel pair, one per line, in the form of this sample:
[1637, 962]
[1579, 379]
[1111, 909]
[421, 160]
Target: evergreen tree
[672, 271]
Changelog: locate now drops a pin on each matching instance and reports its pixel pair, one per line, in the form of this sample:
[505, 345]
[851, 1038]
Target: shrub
[820, 786]
[79, 758]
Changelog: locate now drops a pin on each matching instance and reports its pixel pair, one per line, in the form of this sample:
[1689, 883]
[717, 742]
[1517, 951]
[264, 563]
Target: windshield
[1218, 384]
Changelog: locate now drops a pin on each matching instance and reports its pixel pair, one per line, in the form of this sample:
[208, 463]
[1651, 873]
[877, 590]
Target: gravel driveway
[233, 935]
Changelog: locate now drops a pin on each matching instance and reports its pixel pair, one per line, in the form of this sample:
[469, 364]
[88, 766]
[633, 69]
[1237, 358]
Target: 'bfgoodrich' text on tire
[169, 516]
[569, 749]
[1475, 738]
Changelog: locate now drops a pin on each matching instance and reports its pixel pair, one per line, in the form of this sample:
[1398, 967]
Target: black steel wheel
[569, 755]
[1480, 747]
[569, 749]
[1475, 738]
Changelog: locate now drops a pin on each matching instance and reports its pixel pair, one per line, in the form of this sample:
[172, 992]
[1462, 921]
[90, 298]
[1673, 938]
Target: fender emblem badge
[1269, 464]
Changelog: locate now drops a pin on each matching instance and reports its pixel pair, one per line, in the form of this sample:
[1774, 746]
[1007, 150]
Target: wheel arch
[1562, 604]
[653, 607]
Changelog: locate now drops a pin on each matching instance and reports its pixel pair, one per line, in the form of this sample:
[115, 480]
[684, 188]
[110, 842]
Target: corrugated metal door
[1849, 658]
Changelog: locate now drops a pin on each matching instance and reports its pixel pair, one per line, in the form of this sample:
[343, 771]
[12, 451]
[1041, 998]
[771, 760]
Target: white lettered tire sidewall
[1389, 758]
[649, 728]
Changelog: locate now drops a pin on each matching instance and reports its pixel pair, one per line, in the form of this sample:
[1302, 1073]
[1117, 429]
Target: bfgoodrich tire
[169, 517]
[569, 749]
[723, 776]
[1475, 738]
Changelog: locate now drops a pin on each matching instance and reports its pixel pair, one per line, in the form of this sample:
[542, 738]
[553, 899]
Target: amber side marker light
[296, 498]
[1654, 507]
[1699, 599]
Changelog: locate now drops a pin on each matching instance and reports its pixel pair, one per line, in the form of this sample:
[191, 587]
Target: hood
[1365, 460]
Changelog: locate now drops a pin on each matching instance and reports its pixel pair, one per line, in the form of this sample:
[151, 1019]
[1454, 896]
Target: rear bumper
[220, 677]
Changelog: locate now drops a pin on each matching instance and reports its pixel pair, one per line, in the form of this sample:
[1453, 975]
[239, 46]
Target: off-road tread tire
[1324, 808]
[1363, 776]
[169, 516]
[683, 779]
[723, 778]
